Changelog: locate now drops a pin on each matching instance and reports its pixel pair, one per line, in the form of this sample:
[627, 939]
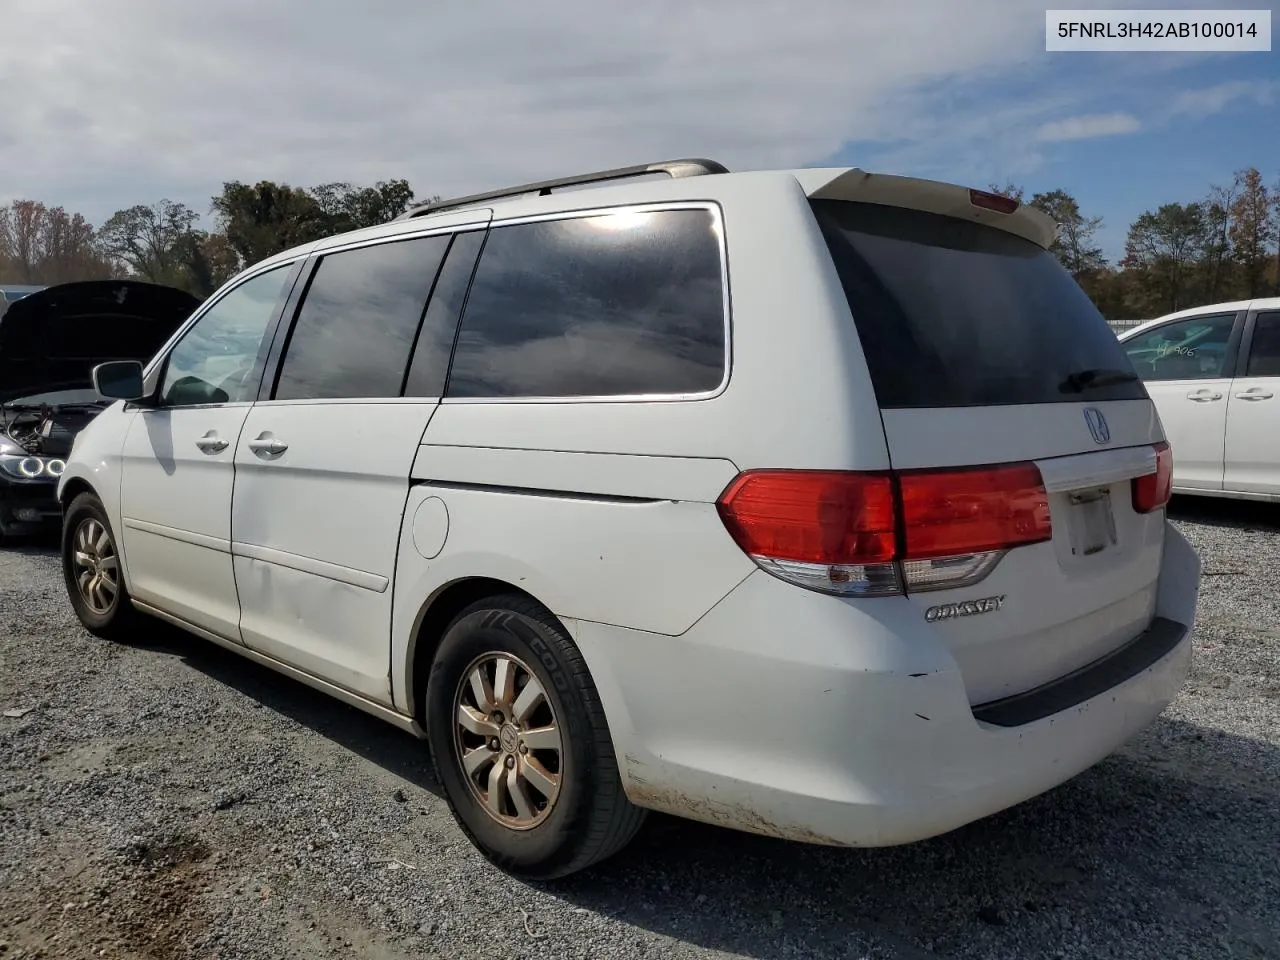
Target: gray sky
[114, 102]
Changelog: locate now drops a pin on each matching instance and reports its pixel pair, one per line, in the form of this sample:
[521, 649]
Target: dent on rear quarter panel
[631, 541]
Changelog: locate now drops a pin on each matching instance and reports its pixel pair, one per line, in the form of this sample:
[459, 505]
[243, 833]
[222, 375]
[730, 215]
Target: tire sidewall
[495, 630]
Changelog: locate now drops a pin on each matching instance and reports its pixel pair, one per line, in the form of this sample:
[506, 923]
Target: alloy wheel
[97, 566]
[508, 740]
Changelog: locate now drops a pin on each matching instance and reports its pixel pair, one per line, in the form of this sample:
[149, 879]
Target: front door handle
[212, 443]
[268, 445]
[1254, 393]
[1204, 395]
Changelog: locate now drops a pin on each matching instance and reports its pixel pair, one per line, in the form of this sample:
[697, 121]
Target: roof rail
[673, 168]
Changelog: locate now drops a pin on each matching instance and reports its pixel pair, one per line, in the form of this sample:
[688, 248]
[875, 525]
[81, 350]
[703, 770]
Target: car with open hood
[50, 341]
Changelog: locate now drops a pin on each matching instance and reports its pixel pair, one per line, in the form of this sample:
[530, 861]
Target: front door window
[218, 359]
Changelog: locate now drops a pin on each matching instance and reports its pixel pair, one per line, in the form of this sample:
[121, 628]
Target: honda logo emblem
[1097, 425]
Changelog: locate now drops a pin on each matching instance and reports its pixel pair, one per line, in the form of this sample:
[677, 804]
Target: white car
[814, 503]
[1214, 375]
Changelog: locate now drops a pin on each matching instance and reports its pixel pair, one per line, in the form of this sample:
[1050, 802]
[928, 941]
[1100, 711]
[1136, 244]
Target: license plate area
[1092, 522]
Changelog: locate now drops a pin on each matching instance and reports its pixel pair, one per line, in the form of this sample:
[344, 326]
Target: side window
[1191, 349]
[358, 320]
[1264, 354]
[430, 362]
[600, 305]
[216, 361]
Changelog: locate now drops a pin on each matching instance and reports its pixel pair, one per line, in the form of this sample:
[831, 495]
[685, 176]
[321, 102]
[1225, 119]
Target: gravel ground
[178, 801]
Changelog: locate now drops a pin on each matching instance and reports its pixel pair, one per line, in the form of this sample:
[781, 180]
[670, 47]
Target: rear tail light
[873, 534]
[826, 530]
[957, 524]
[1152, 491]
[951, 512]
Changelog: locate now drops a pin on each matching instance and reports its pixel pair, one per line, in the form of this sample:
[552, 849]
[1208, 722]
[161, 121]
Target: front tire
[92, 571]
[520, 743]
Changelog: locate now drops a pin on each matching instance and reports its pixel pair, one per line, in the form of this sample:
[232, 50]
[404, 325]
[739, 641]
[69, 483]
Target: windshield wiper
[1083, 380]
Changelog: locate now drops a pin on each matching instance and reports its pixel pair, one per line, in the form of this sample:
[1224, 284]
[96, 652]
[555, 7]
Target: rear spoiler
[931, 196]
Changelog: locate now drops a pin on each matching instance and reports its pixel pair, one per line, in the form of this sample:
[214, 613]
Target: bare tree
[47, 245]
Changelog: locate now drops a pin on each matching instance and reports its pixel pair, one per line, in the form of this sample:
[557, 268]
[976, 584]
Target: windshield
[954, 314]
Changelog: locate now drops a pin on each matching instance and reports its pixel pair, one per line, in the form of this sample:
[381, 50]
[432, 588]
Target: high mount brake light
[861, 534]
[993, 201]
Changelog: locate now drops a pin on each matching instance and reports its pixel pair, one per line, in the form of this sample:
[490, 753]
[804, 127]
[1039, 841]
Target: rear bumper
[796, 715]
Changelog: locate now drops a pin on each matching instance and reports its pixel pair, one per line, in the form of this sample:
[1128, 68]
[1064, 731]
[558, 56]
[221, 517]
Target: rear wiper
[1083, 380]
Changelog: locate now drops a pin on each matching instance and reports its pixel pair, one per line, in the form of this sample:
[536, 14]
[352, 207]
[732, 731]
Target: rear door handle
[268, 445]
[1204, 395]
[212, 443]
[1256, 393]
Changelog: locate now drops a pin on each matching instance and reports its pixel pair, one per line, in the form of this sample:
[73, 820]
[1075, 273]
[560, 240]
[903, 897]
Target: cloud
[1208, 101]
[140, 99]
[1088, 127]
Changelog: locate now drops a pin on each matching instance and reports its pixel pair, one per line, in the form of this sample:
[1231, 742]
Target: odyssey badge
[966, 608]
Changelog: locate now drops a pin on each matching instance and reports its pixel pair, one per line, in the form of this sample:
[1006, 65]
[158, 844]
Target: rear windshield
[957, 314]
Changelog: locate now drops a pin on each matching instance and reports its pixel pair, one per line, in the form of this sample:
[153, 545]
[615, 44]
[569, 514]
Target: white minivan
[815, 503]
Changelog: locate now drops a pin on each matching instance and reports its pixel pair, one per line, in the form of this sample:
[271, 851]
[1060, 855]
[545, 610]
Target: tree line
[164, 243]
[1222, 246]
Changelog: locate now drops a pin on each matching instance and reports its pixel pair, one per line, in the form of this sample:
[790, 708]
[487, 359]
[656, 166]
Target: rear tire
[530, 772]
[92, 572]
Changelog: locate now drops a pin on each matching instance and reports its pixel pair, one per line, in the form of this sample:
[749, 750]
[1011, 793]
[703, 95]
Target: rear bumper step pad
[1088, 681]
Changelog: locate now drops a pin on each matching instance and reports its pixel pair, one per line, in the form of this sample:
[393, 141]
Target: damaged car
[50, 341]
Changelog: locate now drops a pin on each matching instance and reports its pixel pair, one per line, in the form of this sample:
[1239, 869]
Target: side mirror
[119, 380]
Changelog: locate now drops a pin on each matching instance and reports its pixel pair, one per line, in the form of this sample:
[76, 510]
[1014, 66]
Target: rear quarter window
[953, 314]
[593, 306]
